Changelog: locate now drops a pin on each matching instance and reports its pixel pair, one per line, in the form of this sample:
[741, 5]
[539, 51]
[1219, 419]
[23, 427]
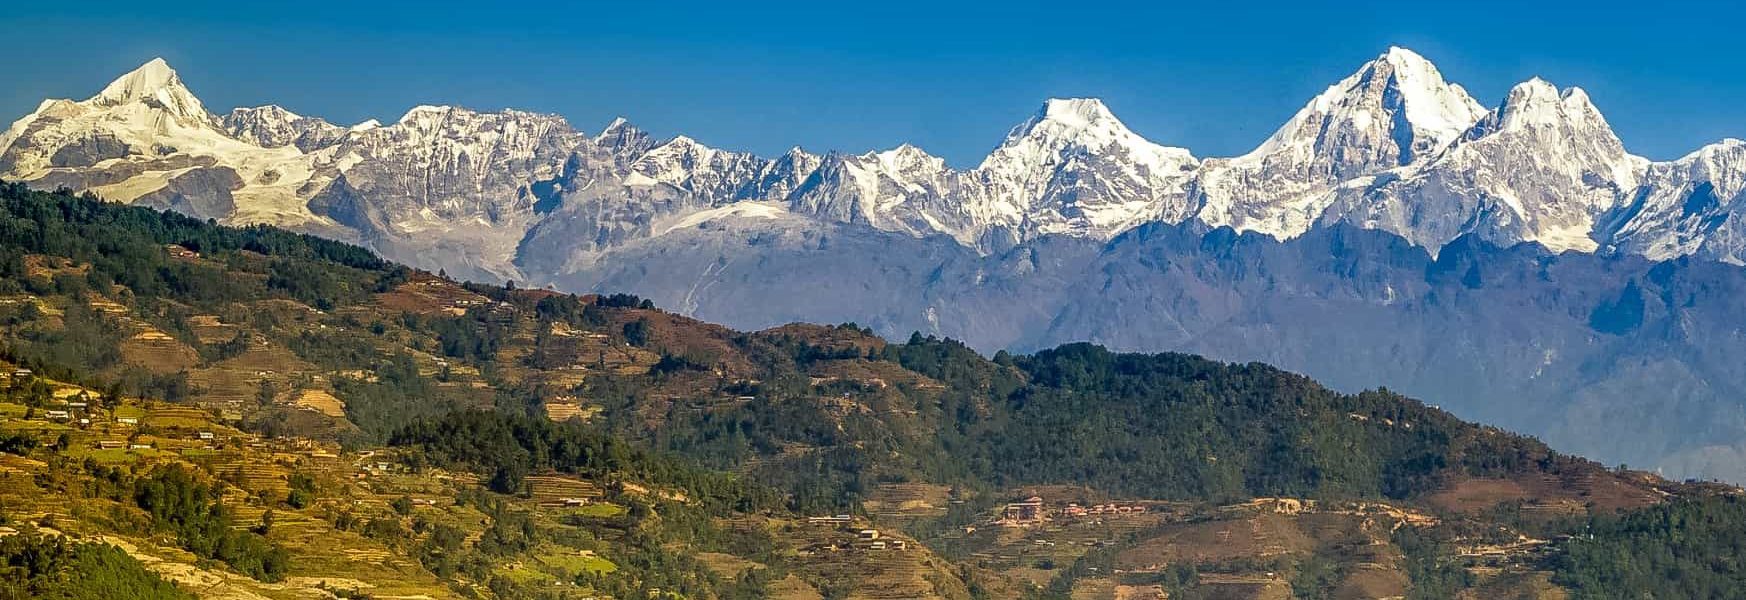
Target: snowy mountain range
[511, 194]
[1514, 263]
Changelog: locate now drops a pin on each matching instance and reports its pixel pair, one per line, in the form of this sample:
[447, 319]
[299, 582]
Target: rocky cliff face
[1688, 207]
[445, 181]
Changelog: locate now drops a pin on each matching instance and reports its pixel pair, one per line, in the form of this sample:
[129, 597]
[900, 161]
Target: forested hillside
[252, 413]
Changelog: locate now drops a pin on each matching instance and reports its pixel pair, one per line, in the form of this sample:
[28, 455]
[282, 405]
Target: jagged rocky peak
[1722, 164]
[1689, 206]
[267, 114]
[434, 117]
[1560, 119]
[1066, 117]
[621, 137]
[781, 177]
[425, 113]
[144, 137]
[1536, 102]
[1722, 150]
[156, 85]
[799, 159]
[502, 134]
[903, 189]
[273, 126]
[712, 175]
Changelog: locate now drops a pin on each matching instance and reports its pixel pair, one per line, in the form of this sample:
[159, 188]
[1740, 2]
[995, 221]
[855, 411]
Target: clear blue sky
[1216, 77]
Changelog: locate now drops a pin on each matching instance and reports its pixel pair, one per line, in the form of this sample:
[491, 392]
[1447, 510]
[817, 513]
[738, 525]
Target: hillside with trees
[189, 407]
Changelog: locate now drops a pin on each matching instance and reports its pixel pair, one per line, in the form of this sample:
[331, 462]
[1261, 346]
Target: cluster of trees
[34, 566]
[86, 342]
[473, 336]
[510, 447]
[1178, 426]
[1692, 548]
[126, 245]
[94, 246]
[398, 396]
[1161, 426]
[623, 301]
[180, 502]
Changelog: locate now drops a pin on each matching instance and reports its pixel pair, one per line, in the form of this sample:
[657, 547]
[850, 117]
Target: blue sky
[1216, 77]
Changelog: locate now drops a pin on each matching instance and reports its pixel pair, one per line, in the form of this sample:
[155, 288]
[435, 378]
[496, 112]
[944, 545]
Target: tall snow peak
[153, 83]
[1393, 110]
[908, 157]
[1396, 110]
[1076, 113]
[146, 138]
[781, 177]
[424, 114]
[710, 176]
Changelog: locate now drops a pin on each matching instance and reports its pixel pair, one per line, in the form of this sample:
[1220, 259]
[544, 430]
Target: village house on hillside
[1030, 510]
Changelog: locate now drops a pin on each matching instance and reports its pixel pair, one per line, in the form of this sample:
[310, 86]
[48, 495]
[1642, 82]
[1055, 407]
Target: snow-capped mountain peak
[267, 112]
[1562, 122]
[1074, 168]
[272, 126]
[1711, 152]
[1399, 93]
[1082, 124]
[423, 113]
[1539, 103]
[153, 83]
[1075, 112]
[906, 157]
[1394, 111]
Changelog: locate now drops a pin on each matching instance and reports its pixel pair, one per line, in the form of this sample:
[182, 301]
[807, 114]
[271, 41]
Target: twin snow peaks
[513, 194]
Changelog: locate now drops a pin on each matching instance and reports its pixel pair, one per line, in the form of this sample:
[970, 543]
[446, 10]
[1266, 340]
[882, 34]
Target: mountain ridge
[1388, 147]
